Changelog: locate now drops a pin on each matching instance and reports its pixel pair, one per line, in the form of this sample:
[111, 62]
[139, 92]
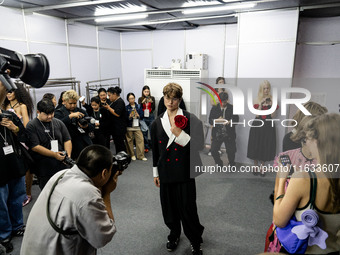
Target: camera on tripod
[6, 115]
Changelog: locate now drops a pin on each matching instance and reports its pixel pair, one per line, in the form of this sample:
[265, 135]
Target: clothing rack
[93, 86]
[68, 83]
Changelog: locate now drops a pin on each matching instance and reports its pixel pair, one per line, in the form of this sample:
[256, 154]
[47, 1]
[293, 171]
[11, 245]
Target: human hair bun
[118, 89]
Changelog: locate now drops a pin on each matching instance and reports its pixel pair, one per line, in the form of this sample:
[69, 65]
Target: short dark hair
[95, 99]
[130, 94]
[45, 106]
[94, 159]
[114, 90]
[224, 96]
[49, 96]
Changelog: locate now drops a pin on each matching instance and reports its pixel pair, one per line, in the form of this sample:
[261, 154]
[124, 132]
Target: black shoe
[196, 249]
[7, 244]
[172, 245]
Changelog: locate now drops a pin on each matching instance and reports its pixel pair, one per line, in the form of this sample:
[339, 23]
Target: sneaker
[144, 159]
[220, 152]
[7, 244]
[196, 249]
[172, 245]
[133, 157]
[209, 153]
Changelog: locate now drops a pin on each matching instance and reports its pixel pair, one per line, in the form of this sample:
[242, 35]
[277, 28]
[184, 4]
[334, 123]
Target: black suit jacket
[216, 112]
[175, 162]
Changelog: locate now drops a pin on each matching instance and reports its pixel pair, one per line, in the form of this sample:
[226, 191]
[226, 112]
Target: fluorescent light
[220, 8]
[199, 3]
[121, 17]
[119, 9]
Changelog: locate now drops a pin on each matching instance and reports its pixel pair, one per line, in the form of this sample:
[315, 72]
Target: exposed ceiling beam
[70, 5]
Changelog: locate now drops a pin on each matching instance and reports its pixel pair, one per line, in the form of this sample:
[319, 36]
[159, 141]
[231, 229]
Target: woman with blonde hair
[262, 135]
[314, 109]
[321, 180]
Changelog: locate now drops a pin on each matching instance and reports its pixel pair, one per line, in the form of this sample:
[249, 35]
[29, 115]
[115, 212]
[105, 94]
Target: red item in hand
[181, 121]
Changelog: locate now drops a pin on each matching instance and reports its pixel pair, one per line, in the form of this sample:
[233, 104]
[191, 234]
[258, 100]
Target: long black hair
[144, 88]
[23, 97]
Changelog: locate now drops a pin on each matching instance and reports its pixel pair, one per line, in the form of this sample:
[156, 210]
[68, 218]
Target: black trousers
[119, 140]
[178, 202]
[230, 145]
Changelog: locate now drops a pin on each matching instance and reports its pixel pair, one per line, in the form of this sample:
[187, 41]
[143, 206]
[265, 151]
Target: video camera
[6, 115]
[32, 69]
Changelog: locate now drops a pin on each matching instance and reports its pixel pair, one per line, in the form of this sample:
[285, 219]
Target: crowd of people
[77, 135]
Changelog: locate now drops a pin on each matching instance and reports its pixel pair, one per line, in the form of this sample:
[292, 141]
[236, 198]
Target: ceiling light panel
[121, 17]
[119, 9]
[226, 7]
[191, 3]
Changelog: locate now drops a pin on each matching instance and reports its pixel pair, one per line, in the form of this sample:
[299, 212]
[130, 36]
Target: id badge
[54, 146]
[135, 123]
[8, 149]
[146, 113]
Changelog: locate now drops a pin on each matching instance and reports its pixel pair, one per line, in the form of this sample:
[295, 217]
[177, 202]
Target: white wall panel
[319, 29]
[317, 61]
[110, 64]
[45, 29]
[57, 58]
[168, 45]
[14, 27]
[133, 65]
[80, 34]
[230, 62]
[19, 46]
[136, 40]
[84, 65]
[268, 26]
[266, 60]
[208, 40]
[109, 39]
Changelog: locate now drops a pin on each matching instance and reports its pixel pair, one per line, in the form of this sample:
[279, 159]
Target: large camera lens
[37, 70]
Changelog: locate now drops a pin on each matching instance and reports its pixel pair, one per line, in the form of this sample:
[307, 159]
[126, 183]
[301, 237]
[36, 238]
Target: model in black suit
[175, 155]
[223, 133]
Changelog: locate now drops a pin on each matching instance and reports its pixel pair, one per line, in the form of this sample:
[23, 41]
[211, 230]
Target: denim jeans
[11, 198]
[148, 122]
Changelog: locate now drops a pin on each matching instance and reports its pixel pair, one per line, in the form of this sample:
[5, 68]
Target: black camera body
[68, 161]
[6, 115]
[121, 161]
[82, 121]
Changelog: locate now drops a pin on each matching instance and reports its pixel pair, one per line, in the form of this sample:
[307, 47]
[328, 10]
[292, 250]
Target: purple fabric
[310, 229]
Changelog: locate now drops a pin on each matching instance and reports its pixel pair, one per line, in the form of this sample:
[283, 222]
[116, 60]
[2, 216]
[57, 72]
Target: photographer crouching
[49, 139]
[76, 121]
[12, 180]
[73, 213]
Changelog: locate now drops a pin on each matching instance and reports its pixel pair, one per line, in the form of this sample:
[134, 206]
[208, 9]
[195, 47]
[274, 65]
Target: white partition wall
[266, 51]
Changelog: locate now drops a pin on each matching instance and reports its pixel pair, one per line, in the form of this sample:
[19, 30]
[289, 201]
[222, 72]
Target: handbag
[289, 236]
[143, 126]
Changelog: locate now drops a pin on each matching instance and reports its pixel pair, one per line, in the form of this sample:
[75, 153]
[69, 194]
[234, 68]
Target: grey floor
[234, 209]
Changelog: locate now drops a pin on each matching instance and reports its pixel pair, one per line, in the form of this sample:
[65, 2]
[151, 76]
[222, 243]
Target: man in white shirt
[73, 212]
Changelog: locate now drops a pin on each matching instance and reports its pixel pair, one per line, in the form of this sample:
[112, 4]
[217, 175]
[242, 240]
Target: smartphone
[285, 160]
[81, 99]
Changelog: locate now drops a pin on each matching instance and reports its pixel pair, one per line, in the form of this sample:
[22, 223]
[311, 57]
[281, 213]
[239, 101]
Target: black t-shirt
[119, 123]
[41, 133]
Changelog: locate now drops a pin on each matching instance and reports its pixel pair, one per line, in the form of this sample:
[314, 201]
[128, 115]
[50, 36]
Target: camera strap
[54, 226]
